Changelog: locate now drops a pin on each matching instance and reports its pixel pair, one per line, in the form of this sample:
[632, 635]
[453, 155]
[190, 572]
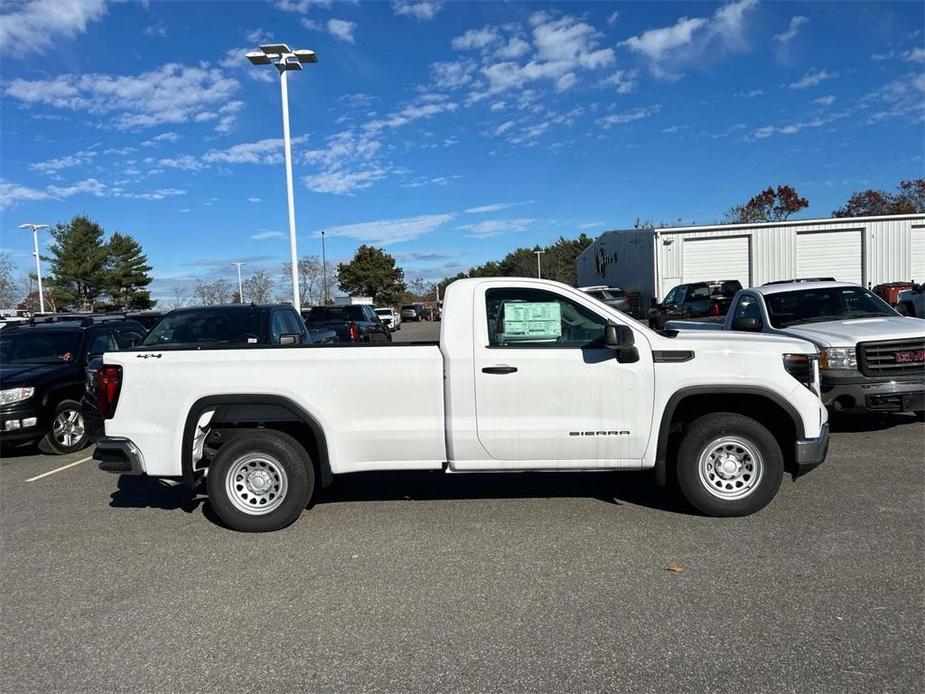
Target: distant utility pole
[539, 268]
[324, 273]
[38, 266]
[240, 285]
[286, 59]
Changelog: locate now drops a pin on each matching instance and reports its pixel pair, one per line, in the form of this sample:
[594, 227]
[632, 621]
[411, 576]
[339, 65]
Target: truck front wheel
[260, 481]
[729, 465]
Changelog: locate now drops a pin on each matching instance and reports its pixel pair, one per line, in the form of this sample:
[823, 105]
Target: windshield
[39, 347]
[409, 307]
[334, 314]
[824, 304]
[208, 327]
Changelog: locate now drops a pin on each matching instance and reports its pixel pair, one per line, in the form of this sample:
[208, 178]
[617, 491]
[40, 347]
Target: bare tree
[179, 297]
[9, 289]
[258, 287]
[210, 293]
[311, 279]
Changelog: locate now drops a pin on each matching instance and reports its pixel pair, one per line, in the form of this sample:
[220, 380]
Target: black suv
[705, 301]
[230, 324]
[354, 323]
[42, 376]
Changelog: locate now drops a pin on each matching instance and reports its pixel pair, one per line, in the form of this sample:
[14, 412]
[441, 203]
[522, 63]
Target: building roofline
[761, 225]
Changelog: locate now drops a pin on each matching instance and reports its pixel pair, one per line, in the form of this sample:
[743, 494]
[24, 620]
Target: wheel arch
[255, 409]
[765, 405]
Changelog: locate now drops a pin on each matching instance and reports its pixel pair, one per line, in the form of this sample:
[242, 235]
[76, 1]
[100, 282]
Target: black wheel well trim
[196, 410]
[661, 454]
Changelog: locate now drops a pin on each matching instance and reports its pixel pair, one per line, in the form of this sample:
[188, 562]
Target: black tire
[262, 454]
[730, 440]
[73, 437]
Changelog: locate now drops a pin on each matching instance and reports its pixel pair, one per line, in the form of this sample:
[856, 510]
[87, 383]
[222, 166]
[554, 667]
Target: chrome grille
[892, 357]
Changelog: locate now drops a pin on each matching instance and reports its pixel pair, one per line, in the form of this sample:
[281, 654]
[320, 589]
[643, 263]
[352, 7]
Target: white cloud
[163, 137]
[827, 100]
[476, 39]
[493, 227]
[514, 48]
[694, 39]
[157, 31]
[172, 93]
[341, 29]
[424, 10]
[13, 193]
[795, 23]
[916, 55]
[184, 162]
[628, 116]
[452, 74]
[410, 113]
[160, 194]
[902, 99]
[812, 78]
[612, 18]
[388, 231]
[340, 181]
[268, 151]
[253, 199]
[623, 80]
[27, 27]
[495, 207]
[267, 234]
[53, 166]
[751, 94]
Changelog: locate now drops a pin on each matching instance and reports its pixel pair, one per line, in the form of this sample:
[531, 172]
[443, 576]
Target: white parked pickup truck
[527, 375]
[871, 358]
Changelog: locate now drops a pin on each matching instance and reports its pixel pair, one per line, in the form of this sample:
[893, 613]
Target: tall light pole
[539, 270]
[324, 273]
[286, 59]
[38, 266]
[240, 286]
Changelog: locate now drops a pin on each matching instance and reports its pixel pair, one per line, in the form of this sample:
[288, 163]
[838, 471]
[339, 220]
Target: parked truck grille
[892, 357]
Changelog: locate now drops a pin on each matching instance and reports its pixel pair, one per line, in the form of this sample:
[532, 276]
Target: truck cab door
[548, 392]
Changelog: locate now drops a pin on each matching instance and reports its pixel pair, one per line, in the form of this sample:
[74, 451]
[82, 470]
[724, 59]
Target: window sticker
[532, 320]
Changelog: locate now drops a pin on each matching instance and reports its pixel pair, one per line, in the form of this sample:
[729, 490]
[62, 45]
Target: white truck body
[465, 404]
[856, 386]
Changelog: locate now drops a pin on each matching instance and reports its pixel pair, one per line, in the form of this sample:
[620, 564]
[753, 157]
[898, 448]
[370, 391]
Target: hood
[847, 333]
[14, 375]
[713, 339]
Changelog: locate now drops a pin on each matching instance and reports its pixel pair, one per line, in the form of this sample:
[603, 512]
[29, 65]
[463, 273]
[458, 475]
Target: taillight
[108, 385]
[352, 332]
[714, 309]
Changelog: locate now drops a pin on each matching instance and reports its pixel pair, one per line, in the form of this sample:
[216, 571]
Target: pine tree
[373, 273]
[78, 263]
[127, 274]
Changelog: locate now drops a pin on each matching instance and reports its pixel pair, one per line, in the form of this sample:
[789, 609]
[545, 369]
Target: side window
[296, 325]
[539, 318]
[748, 307]
[101, 342]
[277, 327]
[126, 338]
[673, 296]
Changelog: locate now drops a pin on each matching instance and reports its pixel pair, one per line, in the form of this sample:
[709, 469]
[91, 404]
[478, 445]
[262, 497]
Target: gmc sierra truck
[871, 358]
[528, 375]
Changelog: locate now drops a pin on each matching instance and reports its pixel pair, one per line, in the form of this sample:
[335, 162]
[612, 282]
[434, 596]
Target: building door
[717, 258]
[838, 254]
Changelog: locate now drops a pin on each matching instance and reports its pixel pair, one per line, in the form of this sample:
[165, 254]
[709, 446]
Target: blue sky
[446, 132]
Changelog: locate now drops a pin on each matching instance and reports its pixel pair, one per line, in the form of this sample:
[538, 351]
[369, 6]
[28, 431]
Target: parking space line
[63, 467]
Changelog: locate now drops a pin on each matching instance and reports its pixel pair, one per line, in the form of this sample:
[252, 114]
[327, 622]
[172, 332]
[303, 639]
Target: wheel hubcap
[68, 428]
[256, 484]
[730, 468]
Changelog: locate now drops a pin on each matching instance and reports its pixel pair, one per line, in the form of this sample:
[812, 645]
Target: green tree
[127, 274]
[79, 263]
[373, 273]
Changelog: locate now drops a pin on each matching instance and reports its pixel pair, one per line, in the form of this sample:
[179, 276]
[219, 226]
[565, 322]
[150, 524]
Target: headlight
[802, 368]
[11, 395]
[838, 358]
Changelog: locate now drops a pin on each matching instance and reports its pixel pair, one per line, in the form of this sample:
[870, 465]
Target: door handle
[499, 370]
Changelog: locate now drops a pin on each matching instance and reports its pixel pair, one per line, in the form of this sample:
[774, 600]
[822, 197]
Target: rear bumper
[810, 453]
[119, 456]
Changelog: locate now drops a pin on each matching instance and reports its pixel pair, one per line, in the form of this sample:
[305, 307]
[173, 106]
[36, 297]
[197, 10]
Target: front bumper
[27, 411]
[810, 453]
[853, 392]
[119, 456]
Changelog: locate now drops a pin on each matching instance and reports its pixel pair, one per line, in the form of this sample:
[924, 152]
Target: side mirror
[289, 339]
[747, 324]
[653, 302]
[621, 339]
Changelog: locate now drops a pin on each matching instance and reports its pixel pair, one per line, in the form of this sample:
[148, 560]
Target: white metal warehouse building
[864, 250]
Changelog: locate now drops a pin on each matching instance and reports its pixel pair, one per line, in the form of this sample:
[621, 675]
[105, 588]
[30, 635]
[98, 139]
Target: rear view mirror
[747, 324]
[289, 339]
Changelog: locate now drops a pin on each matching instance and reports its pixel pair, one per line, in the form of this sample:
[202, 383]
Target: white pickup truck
[527, 375]
[871, 358]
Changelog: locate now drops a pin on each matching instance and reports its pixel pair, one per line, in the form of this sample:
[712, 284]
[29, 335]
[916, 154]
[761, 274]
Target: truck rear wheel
[729, 465]
[260, 481]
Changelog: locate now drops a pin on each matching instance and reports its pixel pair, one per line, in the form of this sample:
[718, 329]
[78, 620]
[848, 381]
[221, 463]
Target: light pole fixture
[539, 270]
[324, 273]
[38, 266]
[286, 59]
[240, 286]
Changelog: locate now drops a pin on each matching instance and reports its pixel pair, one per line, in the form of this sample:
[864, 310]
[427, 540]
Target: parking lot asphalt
[505, 582]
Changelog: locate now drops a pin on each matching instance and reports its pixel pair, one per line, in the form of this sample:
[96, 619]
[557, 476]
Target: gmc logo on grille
[910, 357]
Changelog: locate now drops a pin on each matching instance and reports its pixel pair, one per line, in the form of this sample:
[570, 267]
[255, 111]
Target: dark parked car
[147, 318]
[612, 296]
[354, 323]
[708, 301]
[42, 375]
[411, 312]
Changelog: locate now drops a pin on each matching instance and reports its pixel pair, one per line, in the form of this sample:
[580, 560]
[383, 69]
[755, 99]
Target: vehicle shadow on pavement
[146, 492]
[618, 488]
[859, 423]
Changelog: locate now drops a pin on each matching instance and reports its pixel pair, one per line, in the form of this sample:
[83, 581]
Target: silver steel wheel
[68, 428]
[730, 468]
[256, 483]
